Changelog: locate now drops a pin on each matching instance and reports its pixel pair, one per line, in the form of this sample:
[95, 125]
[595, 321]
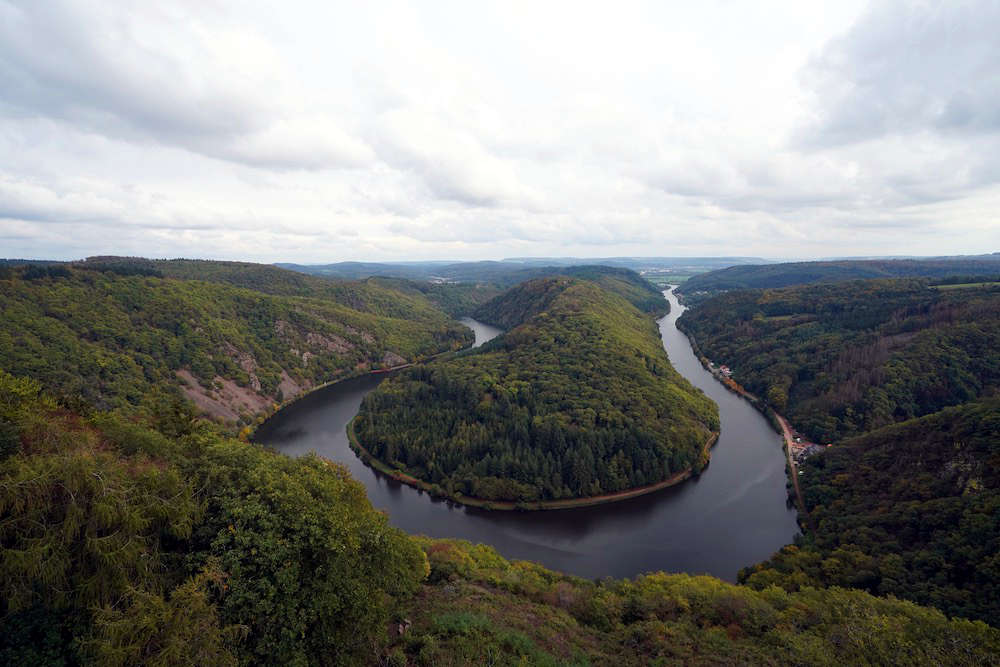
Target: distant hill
[511, 271]
[577, 398]
[804, 273]
[474, 283]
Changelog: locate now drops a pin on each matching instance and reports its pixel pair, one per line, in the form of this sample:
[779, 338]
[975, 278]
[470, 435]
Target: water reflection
[735, 514]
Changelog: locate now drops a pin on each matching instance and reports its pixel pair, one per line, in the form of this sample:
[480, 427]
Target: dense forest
[104, 334]
[804, 273]
[578, 398]
[148, 538]
[903, 378]
[145, 537]
[843, 359]
[911, 510]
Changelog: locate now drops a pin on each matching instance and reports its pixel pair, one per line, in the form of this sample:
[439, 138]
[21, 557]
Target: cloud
[383, 130]
[907, 67]
[173, 76]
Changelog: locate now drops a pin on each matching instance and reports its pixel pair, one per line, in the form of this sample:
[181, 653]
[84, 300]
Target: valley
[126, 494]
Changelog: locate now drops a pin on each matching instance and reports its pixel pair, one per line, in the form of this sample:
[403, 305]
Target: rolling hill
[805, 273]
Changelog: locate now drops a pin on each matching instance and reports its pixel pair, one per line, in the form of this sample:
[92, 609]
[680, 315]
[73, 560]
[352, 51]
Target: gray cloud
[908, 67]
[116, 70]
[342, 130]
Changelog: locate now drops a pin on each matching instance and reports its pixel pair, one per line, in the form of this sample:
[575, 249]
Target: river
[733, 515]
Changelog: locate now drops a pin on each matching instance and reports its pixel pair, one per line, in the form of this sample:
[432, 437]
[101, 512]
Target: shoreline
[777, 421]
[510, 505]
[262, 418]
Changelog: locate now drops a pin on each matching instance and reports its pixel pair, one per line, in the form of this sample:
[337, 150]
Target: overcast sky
[325, 131]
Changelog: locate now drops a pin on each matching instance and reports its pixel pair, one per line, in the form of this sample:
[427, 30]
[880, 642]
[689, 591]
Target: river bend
[733, 515]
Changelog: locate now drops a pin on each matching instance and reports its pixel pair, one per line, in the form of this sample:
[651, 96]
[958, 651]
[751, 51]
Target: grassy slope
[480, 609]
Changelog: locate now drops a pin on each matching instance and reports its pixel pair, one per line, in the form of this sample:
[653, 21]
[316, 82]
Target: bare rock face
[245, 361]
[284, 329]
[289, 388]
[228, 401]
[363, 335]
[390, 358]
[331, 343]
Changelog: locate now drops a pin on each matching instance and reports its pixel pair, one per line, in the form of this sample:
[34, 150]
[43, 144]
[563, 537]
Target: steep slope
[906, 501]
[911, 510]
[844, 359]
[804, 273]
[122, 546]
[577, 399]
[101, 338]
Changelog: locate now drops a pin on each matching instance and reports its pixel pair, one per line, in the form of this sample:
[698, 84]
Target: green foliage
[806, 273]
[911, 510]
[101, 338]
[309, 563]
[39, 636]
[10, 438]
[82, 527]
[132, 546]
[577, 399]
[501, 612]
[853, 357]
[179, 629]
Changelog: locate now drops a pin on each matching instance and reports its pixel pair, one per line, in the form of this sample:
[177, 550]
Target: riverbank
[505, 505]
[779, 423]
[248, 432]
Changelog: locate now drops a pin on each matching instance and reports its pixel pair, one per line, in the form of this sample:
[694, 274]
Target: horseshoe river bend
[733, 515]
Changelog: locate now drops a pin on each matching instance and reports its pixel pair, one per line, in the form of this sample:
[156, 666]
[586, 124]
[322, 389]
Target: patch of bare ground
[227, 402]
[289, 388]
[390, 358]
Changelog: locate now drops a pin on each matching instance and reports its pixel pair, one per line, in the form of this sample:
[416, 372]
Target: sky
[325, 131]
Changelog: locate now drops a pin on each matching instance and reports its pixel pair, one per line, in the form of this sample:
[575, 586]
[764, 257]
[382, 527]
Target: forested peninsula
[577, 399]
[902, 377]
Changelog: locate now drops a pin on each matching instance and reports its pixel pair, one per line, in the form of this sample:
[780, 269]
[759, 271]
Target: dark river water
[733, 515]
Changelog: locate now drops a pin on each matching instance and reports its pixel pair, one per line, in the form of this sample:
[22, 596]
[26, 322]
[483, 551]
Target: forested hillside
[804, 273]
[911, 510]
[370, 296]
[153, 540]
[841, 360]
[578, 398]
[115, 337]
[124, 544]
[903, 378]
